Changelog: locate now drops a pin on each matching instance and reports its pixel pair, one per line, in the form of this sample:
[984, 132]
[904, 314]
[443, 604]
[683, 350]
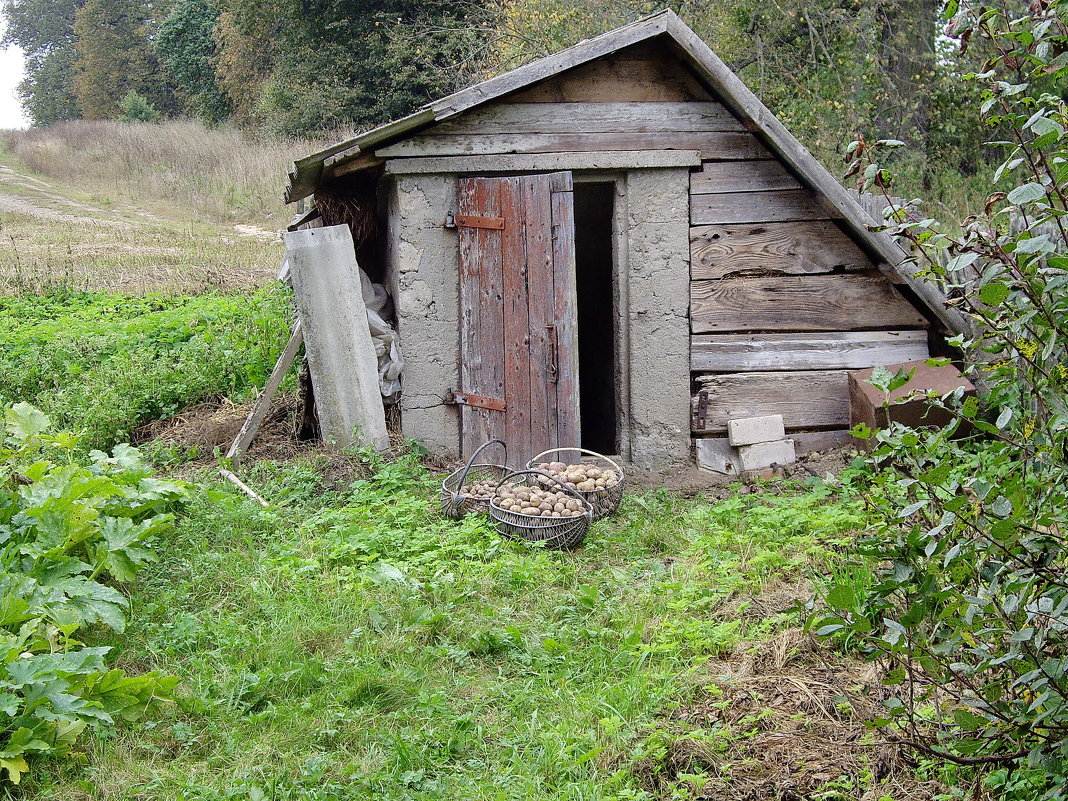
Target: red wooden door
[518, 328]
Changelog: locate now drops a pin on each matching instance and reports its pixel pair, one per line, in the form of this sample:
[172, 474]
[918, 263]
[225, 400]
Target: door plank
[516, 324]
[731, 353]
[803, 303]
[805, 399]
[541, 309]
[755, 207]
[792, 248]
[712, 145]
[736, 176]
[563, 245]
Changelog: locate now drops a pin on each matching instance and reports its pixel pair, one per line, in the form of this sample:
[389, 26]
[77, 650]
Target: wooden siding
[753, 176]
[852, 350]
[790, 248]
[806, 399]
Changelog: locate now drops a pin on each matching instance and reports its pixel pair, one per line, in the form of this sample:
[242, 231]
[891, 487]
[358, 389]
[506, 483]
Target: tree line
[829, 68]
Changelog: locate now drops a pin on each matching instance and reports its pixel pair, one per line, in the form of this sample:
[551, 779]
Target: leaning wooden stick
[245, 488]
[263, 402]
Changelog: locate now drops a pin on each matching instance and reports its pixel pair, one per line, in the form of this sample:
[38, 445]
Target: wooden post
[337, 341]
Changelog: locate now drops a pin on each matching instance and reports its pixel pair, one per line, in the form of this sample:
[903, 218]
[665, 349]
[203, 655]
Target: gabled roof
[718, 77]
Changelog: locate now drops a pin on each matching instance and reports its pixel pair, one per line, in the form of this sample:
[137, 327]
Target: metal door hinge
[473, 221]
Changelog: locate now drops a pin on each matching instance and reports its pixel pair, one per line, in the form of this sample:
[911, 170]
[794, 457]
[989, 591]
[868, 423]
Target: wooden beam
[263, 401]
[803, 303]
[730, 353]
[713, 145]
[805, 399]
[755, 207]
[611, 117]
[345, 166]
[530, 162]
[785, 248]
[734, 176]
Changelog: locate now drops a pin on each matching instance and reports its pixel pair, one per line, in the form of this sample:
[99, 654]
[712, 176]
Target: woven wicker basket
[561, 533]
[604, 501]
[457, 504]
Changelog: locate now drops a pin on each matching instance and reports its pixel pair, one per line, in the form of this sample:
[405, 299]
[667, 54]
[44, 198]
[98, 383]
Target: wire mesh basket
[561, 533]
[604, 500]
[456, 503]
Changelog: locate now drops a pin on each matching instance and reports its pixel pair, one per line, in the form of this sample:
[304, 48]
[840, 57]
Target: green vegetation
[70, 531]
[351, 641]
[106, 363]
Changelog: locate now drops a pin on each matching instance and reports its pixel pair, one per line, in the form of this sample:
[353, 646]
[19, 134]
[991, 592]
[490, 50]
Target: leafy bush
[64, 527]
[107, 363]
[970, 604]
[136, 108]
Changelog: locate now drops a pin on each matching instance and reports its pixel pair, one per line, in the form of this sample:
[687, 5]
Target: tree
[115, 56]
[44, 29]
[186, 49]
[135, 108]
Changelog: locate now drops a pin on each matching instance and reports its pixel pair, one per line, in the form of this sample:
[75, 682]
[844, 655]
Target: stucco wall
[423, 259]
[658, 296]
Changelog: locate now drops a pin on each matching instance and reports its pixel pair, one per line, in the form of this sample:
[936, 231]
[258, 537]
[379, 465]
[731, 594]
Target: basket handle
[471, 461]
[534, 459]
[530, 471]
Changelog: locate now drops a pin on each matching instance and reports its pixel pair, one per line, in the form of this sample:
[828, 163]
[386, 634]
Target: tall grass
[224, 174]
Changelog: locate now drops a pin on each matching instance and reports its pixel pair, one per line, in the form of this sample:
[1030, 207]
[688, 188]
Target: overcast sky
[11, 115]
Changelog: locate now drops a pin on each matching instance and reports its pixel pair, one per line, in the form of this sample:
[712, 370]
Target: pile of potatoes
[480, 490]
[538, 502]
[581, 477]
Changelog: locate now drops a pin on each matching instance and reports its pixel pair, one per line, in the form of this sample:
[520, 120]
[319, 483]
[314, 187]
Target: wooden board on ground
[541, 118]
[733, 176]
[802, 303]
[717, 454]
[755, 207]
[719, 145]
[337, 340]
[733, 353]
[805, 399]
[790, 248]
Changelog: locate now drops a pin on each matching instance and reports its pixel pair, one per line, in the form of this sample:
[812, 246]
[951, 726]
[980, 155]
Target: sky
[11, 115]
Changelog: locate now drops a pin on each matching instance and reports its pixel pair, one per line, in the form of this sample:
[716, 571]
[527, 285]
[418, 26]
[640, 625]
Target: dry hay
[352, 200]
[795, 713]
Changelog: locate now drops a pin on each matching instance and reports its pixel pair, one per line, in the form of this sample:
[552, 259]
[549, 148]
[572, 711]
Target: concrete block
[765, 454]
[751, 430]
[717, 455]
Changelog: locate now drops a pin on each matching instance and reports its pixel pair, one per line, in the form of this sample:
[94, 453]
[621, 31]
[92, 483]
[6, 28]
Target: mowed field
[351, 642]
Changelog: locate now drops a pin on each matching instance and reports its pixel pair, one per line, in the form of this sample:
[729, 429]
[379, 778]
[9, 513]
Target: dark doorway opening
[596, 316]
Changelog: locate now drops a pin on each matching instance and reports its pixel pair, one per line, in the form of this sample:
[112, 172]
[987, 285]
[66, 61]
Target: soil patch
[783, 719]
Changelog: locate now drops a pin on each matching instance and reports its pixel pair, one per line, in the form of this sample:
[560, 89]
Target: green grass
[354, 643]
[105, 363]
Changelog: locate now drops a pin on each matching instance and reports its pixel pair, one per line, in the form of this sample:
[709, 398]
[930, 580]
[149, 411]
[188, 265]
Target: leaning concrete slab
[341, 356]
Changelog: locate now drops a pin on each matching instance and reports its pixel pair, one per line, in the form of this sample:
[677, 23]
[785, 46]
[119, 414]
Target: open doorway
[598, 379]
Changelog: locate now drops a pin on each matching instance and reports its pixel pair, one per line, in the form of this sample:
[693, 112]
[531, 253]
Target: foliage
[107, 363]
[186, 49]
[115, 57]
[970, 604]
[44, 29]
[352, 642]
[135, 108]
[64, 528]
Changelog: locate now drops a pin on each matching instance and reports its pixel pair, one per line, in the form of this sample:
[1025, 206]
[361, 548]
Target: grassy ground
[352, 643]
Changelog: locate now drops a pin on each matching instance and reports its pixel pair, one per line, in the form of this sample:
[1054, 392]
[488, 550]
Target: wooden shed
[617, 246]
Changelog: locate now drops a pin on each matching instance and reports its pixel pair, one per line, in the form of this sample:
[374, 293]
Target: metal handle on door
[550, 359]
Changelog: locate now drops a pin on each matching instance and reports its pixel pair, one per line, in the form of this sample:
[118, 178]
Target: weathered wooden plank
[808, 441]
[790, 248]
[805, 399]
[341, 356]
[517, 353]
[531, 118]
[482, 315]
[541, 305]
[712, 145]
[750, 176]
[716, 454]
[522, 162]
[801, 303]
[563, 245]
[730, 353]
[755, 207]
